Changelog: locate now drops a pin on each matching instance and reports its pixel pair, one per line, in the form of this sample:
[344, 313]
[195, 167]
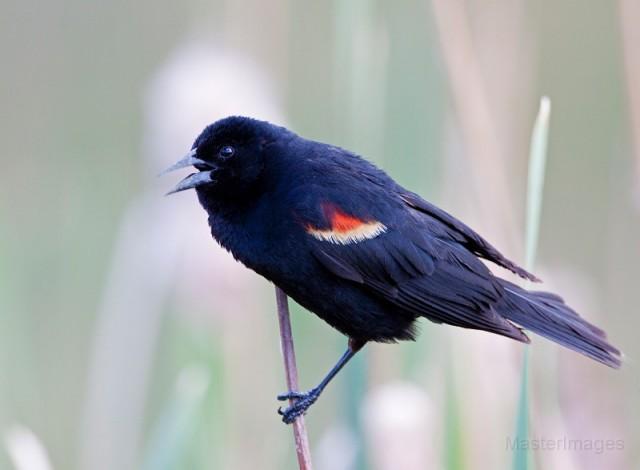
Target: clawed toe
[303, 400]
[292, 395]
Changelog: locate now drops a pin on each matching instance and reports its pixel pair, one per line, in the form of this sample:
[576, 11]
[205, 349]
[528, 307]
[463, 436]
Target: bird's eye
[227, 151]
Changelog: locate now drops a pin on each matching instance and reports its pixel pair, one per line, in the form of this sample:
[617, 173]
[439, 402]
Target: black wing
[464, 235]
[438, 220]
[421, 269]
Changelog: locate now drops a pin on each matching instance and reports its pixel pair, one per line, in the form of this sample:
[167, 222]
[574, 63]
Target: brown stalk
[629, 11]
[475, 114]
[291, 372]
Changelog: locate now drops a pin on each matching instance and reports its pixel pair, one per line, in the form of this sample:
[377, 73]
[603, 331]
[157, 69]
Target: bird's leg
[301, 401]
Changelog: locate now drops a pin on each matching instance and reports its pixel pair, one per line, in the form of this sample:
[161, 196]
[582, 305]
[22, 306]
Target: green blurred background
[129, 340]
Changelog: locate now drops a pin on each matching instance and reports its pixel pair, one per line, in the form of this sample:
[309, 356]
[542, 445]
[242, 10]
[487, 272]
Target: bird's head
[230, 156]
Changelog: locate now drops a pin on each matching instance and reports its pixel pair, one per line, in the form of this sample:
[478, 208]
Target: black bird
[348, 243]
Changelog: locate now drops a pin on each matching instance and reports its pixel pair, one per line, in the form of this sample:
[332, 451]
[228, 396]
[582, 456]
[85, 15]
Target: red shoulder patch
[341, 222]
[344, 228]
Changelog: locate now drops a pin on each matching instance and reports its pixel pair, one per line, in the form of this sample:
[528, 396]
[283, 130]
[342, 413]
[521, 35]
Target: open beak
[195, 179]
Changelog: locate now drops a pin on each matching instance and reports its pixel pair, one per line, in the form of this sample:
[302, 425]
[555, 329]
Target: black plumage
[344, 240]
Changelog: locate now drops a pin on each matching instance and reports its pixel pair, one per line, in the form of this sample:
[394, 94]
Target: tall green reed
[535, 186]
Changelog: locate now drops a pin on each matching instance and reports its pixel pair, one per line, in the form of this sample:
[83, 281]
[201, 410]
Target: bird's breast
[265, 242]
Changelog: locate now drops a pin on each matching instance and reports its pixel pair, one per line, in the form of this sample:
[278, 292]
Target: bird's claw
[301, 403]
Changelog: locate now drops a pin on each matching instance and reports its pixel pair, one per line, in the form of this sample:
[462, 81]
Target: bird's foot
[301, 403]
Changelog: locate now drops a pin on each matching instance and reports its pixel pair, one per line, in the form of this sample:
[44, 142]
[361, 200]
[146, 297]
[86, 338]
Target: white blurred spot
[400, 423]
[25, 449]
[336, 450]
[198, 85]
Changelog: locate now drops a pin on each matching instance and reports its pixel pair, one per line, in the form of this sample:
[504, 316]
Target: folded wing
[421, 272]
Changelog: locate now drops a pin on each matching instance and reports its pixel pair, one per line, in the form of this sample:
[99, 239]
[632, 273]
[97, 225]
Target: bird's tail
[547, 315]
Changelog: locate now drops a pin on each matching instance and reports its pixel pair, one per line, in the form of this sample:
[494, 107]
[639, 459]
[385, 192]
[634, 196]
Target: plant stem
[522, 458]
[291, 372]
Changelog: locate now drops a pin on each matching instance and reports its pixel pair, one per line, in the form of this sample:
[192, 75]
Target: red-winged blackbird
[348, 243]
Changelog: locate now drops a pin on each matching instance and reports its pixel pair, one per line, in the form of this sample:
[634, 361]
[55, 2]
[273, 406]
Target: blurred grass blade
[521, 455]
[535, 186]
[454, 444]
[178, 422]
[535, 183]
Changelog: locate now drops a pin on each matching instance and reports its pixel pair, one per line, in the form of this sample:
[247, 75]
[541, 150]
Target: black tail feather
[547, 315]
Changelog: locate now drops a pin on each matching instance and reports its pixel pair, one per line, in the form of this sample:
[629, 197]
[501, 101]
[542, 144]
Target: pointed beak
[189, 159]
[195, 179]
